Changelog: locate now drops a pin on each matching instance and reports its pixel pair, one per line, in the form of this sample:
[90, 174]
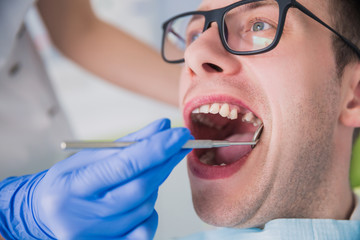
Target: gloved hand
[95, 194]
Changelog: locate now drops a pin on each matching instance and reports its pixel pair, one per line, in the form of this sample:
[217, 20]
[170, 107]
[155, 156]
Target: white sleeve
[12, 13]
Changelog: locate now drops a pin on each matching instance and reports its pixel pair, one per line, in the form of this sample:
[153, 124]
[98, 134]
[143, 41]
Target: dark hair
[346, 20]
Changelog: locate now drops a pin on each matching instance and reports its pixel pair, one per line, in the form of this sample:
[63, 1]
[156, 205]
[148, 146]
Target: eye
[195, 36]
[192, 37]
[260, 26]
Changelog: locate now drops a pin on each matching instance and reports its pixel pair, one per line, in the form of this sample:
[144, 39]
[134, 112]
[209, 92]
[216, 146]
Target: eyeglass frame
[218, 16]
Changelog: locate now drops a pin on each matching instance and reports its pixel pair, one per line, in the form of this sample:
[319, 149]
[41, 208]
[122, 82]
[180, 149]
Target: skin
[108, 52]
[300, 167]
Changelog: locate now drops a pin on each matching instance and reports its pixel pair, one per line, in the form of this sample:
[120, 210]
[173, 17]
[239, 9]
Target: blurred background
[99, 110]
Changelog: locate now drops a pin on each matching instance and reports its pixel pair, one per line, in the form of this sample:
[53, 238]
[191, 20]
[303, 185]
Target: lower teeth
[209, 159]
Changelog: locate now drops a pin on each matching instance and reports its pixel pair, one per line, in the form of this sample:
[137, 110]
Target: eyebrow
[193, 19]
[253, 5]
[249, 6]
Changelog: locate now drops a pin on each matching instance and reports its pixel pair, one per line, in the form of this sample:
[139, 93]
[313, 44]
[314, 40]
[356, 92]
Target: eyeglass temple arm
[310, 14]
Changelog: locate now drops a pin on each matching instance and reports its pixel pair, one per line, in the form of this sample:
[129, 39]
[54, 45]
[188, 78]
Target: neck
[339, 201]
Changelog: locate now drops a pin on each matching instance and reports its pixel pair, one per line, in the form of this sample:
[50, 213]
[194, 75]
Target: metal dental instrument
[195, 144]
[257, 135]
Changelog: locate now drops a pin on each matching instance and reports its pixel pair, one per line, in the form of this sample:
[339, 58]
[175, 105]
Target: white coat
[32, 123]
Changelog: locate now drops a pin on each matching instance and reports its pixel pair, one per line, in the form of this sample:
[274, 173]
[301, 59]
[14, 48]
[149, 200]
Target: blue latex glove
[95, 194]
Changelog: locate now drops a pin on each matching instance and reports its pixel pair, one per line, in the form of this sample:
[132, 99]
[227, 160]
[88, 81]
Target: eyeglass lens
[245, 28]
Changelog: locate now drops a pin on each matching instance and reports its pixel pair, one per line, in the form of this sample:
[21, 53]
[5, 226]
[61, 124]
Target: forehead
[318, 7]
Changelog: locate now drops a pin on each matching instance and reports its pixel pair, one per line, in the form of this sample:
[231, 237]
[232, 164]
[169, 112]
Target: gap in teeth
[249, 117]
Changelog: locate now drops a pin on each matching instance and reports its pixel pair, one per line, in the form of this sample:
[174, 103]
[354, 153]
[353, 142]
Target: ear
[350, 114]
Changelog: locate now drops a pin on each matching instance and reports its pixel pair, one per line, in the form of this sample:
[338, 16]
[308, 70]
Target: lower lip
[208, 172]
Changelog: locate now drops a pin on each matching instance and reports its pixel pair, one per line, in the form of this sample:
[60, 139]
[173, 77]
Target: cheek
[298, 85]
[290, 74]
[184, 86]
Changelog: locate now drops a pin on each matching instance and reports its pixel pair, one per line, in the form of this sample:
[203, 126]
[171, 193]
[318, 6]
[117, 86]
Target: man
[247, 64]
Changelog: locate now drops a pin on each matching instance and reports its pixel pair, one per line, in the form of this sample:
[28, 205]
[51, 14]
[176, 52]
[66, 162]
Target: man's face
[294, 91]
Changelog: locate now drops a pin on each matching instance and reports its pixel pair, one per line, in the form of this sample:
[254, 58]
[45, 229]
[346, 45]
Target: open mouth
[223, 121]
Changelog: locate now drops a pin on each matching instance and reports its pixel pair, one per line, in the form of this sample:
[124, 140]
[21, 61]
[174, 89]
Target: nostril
[212, 67]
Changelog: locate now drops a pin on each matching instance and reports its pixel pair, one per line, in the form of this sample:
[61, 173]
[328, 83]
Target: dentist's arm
[95, 194]
[108, 52]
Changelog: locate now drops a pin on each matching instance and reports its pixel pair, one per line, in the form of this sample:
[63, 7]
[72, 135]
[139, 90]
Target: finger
[146, 230]
[153, 151]
[103, 226]
[135, 192]
[88, 156]
[130, 162]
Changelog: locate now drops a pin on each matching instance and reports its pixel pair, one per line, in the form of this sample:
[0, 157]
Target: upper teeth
[217, 108]
[228, 111]
[249, 117]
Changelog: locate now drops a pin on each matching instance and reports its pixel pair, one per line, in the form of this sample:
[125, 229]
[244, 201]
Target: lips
[220, 118]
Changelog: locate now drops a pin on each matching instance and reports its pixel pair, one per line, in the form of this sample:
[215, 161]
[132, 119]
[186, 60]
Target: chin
[221, 212]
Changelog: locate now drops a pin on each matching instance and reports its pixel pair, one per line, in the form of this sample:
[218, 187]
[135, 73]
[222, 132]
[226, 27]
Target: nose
[207, 56]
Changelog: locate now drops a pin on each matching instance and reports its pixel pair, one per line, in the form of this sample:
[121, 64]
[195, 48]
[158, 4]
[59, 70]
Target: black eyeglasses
[246, 27]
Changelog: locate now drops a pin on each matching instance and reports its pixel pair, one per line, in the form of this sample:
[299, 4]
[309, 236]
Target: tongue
[231, 154]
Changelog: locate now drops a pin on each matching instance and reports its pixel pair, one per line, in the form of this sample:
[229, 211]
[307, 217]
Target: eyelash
[267, 21]
[190, 35]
